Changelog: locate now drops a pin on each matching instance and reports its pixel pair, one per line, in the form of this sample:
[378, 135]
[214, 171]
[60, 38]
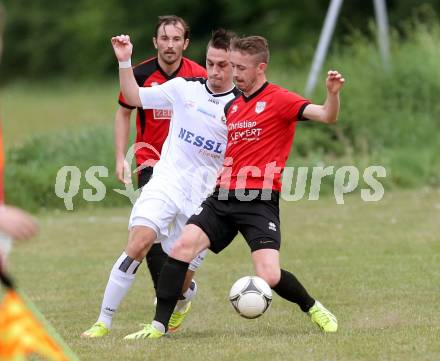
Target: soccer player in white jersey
[193, 151]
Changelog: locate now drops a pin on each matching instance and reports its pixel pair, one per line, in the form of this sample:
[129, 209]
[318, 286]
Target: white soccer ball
[250, 296]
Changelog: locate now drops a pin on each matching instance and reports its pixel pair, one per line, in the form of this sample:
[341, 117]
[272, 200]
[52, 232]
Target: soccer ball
[250, 296]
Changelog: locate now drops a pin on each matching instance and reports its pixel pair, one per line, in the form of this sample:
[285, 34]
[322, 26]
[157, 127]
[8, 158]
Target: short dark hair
[173, 20]
[221, 39]
[253, 45]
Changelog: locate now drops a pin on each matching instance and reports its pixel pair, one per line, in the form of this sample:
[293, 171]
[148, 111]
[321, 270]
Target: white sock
[158, 326]
[121, 278]
[187, 296]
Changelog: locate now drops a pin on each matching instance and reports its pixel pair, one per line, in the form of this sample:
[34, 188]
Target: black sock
[292, 290]
[169, 289]
[156, 258]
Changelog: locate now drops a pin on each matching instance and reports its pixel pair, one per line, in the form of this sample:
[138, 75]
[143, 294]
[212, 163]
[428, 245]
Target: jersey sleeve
[123, 103]
[161, 96]
[291, 105]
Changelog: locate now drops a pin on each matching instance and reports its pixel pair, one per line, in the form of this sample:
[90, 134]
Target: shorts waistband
[246, 195]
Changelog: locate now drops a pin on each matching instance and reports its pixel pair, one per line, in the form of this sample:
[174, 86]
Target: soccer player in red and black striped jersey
[261, 126]
[171, 39]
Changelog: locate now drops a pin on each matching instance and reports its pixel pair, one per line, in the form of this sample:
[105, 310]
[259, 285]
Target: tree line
[51, 38]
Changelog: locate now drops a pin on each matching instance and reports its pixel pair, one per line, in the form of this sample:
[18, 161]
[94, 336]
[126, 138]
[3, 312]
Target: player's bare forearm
[331, 108]
[123, 49]
[122, 131]
[129, 87]
[328, 112]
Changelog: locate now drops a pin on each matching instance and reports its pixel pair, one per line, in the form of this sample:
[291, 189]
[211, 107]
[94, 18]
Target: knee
[270, 273]
[140, 242]
[183, 250]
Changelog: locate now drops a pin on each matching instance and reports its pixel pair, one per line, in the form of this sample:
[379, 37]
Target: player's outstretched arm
[122, 132]
[123, 49]
[328, 112]
[17, 223]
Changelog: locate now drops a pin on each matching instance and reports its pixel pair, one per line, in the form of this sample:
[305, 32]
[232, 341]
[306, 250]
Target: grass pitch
[375, 265]
[53, 107]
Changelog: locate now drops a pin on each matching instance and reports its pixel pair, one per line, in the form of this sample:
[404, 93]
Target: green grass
[31, 109]
[374, 264]
[60, 124]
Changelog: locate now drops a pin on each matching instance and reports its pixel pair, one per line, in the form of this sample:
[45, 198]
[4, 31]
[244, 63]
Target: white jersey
[191, 157]
[194, 149]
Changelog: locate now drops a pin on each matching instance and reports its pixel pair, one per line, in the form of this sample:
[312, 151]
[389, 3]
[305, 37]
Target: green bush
[49, 38]
[32, 168]
[388, 118]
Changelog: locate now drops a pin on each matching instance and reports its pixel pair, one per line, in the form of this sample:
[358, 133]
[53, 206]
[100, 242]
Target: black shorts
[257, 220]
[144, 176]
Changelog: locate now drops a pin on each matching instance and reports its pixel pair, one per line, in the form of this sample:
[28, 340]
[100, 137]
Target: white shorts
[167, 245]
[165, 210]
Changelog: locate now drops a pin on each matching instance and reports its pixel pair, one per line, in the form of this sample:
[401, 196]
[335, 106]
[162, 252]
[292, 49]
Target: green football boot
[148, 331]
[99, 329]
[323, 318]
[177, 319]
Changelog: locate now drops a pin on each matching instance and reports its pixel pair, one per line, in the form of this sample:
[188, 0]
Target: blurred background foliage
[51, 38]
[60, 85]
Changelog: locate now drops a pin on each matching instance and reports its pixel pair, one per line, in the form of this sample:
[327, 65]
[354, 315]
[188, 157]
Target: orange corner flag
[22, 334]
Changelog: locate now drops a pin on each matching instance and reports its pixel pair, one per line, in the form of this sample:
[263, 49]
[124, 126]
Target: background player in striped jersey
[261, 126]
[171, 38]
[186, 172]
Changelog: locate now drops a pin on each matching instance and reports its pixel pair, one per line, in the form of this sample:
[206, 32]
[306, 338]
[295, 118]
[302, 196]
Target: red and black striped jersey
[152, 124]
